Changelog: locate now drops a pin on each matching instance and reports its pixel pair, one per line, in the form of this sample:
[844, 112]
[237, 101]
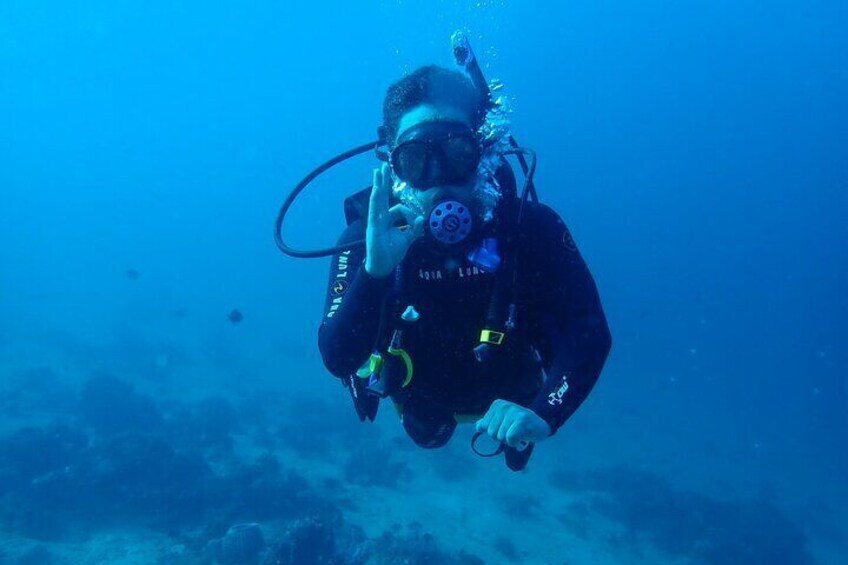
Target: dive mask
[436, 154]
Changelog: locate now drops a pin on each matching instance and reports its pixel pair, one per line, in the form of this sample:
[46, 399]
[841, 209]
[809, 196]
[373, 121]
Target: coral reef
[208, 424]
[35, 390]
[690, 524]
[242, 544]
[413, 546]
[111, 406]
[373, 464]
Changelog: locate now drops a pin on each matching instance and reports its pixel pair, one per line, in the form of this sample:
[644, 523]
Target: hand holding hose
[385, 243]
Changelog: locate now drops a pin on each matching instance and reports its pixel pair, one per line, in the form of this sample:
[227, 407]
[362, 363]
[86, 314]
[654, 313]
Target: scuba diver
[450, 294]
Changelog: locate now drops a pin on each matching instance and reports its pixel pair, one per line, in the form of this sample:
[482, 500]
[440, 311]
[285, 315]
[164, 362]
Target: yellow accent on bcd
[492, 337]
[407, 361]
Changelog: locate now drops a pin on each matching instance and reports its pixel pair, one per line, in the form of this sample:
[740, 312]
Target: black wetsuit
[560, 329]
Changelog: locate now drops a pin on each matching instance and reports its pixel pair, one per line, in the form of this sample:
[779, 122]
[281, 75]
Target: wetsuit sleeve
[352, 308]
[573, 336]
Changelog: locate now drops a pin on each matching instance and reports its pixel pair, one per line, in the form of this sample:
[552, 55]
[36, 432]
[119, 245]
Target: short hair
[431, 85]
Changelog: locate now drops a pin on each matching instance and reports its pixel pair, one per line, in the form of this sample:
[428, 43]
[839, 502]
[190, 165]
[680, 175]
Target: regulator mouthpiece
[450, 222]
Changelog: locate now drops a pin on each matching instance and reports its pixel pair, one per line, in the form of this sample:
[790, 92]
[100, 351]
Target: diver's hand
[385, 244]
[513, 424]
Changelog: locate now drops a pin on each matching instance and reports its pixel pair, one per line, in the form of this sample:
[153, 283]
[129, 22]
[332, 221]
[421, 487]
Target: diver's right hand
[385, 244]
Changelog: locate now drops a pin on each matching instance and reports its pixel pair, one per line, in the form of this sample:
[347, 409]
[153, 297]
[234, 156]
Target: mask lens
[462, 155]
[410, 162]
[436, 154]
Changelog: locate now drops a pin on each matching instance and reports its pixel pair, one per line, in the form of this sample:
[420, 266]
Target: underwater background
[696, 150]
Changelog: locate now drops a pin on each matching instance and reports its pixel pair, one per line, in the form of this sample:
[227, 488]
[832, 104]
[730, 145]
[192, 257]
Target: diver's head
[431, 93]
[431, 123]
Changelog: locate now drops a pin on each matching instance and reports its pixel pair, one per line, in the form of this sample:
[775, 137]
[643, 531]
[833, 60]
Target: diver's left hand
[513, 424]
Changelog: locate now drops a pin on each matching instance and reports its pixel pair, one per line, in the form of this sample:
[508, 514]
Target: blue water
[697, 152]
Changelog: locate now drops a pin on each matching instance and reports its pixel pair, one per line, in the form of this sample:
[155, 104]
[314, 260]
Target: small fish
[132, 274]
[235, 316]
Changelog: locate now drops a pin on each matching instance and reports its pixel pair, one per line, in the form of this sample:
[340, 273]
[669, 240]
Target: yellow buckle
[492, 337]
[407, 361]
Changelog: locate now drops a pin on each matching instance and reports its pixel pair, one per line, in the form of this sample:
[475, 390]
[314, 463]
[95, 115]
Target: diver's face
[427, 113]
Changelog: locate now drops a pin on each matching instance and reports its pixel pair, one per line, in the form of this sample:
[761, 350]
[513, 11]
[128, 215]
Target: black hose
[529, 171]
[278, 223]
